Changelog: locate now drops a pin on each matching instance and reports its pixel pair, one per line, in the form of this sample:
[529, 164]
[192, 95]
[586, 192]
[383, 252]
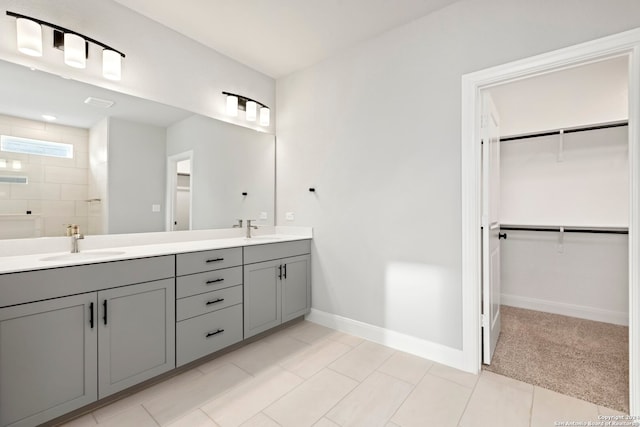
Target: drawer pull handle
[210, 334]
[215, 260]
[208, 282]
[91, 315]
[215, 301]
[104, 315]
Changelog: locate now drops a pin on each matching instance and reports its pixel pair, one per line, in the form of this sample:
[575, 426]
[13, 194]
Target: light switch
[263, 215]
[155, 208]
[290, 216]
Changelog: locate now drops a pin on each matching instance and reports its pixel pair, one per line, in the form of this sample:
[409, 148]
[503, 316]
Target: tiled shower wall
[57, 188]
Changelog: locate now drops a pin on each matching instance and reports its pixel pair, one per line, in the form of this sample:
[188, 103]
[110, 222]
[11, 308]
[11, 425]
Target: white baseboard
[573, 310]
[399, 341]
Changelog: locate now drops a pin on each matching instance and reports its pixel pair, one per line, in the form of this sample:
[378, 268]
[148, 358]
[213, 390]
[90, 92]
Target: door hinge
[483, 321]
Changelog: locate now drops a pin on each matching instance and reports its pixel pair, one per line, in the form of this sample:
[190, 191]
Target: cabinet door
[48, 353]
[296, 298]
[262, 289]
[136, 334]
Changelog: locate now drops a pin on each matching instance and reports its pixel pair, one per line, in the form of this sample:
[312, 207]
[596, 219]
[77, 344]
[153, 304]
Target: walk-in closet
[564, 207]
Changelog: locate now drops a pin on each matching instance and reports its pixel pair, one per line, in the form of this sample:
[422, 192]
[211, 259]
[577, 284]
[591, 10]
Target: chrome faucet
[74, 242]
[238, 225]
[73, 231]
[249, 227]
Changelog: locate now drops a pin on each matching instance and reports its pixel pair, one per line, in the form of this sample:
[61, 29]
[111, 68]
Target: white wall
[589, 187]
[227, 161]
[57, 188]
[582, 275]
[160, 64]
[136, 177]
[376, 130]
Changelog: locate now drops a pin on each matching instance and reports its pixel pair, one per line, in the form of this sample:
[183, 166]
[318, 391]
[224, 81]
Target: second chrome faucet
[249, 227]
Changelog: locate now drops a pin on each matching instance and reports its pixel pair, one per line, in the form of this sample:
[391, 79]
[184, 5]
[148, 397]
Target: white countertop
[106, 252]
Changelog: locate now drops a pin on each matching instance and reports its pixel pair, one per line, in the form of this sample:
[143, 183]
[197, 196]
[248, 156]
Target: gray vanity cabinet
[262, 297]
[209, 302]
[72, 335]
[48, 359]
[136, 334]
[277, 290]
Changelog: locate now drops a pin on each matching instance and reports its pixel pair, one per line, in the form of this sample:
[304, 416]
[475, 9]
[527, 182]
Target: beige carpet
[581, 358]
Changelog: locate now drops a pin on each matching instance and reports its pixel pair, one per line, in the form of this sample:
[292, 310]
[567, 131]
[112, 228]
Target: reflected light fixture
[49, 117]
[74, 45]
[16, 164]
[237, 102]
[29, 37]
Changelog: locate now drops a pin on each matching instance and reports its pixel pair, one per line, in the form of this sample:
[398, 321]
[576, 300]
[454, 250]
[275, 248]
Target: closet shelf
[565, 228]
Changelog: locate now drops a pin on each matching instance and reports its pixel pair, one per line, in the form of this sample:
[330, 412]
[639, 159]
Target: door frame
[623, 44]
[172, 182]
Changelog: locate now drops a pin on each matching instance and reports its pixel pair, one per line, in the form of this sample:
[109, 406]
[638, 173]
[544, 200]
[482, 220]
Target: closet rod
[566, 230]
[570, 130]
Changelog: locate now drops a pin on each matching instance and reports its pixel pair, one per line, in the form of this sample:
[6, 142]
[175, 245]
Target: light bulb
[252, 110]
[264, 116]
[29, 36]
[74, 51]
[111, 64]
[232, 105]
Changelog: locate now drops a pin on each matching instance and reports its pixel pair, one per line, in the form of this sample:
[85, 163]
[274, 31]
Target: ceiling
[278, 37]
[30, 93]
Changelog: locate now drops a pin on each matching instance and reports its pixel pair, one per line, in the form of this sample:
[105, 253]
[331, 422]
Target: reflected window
[14, 144]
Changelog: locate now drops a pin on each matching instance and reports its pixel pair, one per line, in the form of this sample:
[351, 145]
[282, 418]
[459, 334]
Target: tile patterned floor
[308, 375]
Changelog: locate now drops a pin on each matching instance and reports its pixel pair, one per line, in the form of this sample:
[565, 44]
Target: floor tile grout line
[149, 413]
[533, 399]
[266, 415]
[473, 390]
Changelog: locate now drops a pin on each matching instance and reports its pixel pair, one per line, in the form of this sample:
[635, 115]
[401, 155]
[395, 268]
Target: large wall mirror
[73, 153]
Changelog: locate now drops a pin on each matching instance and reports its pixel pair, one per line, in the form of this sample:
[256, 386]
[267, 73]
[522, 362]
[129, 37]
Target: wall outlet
[263, 215]
[155, 208]
[290, 216]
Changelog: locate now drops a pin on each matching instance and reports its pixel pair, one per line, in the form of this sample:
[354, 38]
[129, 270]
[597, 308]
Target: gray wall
[227, 161]
[137, 177]
[376, 130]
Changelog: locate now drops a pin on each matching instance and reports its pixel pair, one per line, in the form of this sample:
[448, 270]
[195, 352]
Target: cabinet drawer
[260, 253]
[202, 335]
[196, 262]
[205, 303]
[208, 281]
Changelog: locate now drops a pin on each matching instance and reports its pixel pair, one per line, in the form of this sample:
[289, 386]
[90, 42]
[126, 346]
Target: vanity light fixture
[49, 117]
[3, 163]
[16, 164]
[75, 45]
[237, 102]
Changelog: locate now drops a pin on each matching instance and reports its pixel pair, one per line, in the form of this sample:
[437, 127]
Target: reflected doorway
[179, 191]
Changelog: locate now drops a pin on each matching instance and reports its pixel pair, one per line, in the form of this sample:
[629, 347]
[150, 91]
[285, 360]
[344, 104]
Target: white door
[490, 228]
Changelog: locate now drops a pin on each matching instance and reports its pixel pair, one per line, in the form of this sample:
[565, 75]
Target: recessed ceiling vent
[98, 102]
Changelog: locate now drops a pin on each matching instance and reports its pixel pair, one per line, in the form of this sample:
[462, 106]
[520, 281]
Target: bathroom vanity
[76, 330]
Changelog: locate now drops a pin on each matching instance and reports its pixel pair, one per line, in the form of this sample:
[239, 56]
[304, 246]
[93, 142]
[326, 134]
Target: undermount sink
[257, 238]
[81, 256]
